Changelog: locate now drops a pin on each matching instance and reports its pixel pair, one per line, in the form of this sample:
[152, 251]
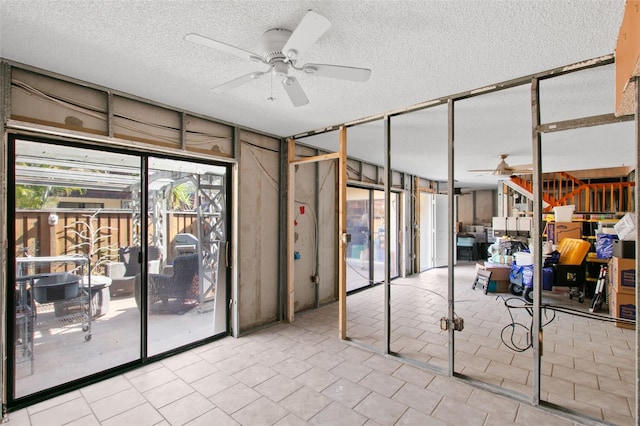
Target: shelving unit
[32, 271]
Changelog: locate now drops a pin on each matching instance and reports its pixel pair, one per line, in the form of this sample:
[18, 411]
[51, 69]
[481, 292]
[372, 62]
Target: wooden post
[342, 229]
[293, 162]
[291, 196]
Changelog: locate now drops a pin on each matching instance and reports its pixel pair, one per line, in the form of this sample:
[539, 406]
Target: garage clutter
[571, 261]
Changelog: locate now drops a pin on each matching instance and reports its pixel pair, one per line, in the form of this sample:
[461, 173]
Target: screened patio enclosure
[86, 253]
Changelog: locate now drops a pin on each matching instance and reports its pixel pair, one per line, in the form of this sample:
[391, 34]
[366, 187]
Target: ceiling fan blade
[230, 85]
[308, 31]
[224, 47]
[295, 92]
[522, 166]
[338, 71]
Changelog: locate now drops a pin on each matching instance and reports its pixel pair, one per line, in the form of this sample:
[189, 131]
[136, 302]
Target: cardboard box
[624, 249]
[622, 305]
[498, 286]
[498, 272]
[622, 275]
[499, 281]
[626, 227]
[556, 231]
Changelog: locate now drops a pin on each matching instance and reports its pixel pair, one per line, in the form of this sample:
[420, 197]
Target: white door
[426, 231]
[441, 230]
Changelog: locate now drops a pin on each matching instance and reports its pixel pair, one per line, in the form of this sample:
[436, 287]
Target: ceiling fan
[283, 49]
[504, 169]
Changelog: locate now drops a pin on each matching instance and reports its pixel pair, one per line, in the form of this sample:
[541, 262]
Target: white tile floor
[300, 373]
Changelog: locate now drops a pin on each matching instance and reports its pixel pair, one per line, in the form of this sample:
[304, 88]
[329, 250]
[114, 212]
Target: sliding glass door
[365, 224]
[73, 210]
[87, 261]
[187, 229]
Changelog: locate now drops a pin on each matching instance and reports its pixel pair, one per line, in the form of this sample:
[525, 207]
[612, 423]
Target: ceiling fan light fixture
[280, 69]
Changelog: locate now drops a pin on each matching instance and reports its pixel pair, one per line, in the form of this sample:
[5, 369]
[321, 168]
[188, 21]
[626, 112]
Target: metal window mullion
[370, 207]
[451, 233]
[316, 286]
[537, 338]
[235, 241]
[387, 228]
[144, 238]
[637, 210]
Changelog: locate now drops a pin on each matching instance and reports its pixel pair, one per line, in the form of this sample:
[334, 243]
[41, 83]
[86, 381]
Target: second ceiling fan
[283, 48]
[504, 169]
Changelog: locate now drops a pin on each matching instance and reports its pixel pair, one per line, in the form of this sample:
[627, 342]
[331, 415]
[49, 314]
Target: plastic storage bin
[573, 251]
[564, 213]
[54, 287]
[523, 258]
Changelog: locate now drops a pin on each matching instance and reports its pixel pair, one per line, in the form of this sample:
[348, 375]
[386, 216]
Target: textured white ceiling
[417, 50]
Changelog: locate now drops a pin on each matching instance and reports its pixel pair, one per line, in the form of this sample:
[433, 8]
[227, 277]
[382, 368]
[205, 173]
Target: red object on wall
[301, 209]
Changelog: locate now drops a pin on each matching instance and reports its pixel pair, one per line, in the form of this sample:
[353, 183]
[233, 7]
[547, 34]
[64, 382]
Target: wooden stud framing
[291, 199]
[315, 159]
[291, 202]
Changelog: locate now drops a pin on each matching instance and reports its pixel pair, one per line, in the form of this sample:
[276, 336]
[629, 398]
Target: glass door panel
[380, 236]
[186, 281]
[74, 313]
[358, 226]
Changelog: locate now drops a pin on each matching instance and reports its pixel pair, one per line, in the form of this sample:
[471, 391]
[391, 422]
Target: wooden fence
[76, 230]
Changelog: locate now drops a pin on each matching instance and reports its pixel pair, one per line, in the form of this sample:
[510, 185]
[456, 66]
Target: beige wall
[477, 207]
[258, 202]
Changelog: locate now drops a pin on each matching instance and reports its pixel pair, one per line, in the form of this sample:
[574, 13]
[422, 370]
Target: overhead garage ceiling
[417, 51]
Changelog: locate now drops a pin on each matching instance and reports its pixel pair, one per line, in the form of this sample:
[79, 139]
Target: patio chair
[168, 293]
[124, 273]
